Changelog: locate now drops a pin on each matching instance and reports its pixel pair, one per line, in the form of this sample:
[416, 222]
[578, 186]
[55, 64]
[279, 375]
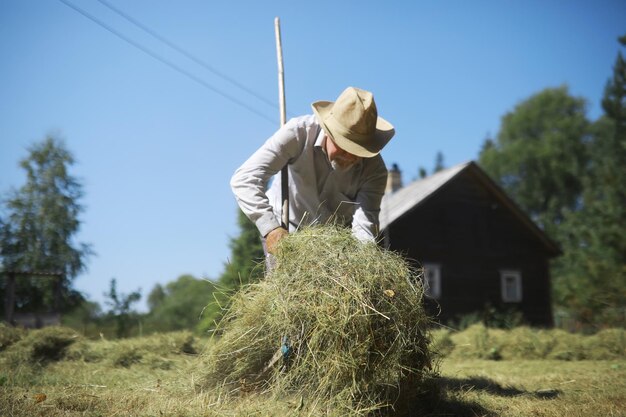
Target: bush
[490, 317]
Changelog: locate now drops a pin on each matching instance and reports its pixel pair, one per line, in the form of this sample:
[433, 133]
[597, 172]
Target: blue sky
[156, 149]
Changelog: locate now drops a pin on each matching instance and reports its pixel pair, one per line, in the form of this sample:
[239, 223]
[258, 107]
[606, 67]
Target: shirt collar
[319, 142]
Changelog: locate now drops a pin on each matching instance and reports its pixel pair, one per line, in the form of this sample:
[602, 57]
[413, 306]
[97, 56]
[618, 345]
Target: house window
[432, 280]
[511, 285]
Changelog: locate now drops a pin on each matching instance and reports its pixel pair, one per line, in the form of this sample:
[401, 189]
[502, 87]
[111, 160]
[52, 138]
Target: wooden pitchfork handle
[284, 173]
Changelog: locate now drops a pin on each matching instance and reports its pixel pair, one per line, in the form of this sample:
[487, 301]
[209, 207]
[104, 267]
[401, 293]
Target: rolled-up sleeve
[250, 180]
[365, 223]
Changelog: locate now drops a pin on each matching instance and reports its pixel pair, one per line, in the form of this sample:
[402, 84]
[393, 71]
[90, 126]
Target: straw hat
[353, 123]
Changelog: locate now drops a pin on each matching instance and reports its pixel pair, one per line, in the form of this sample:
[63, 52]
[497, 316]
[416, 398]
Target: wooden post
[9, 297]
[284, 173]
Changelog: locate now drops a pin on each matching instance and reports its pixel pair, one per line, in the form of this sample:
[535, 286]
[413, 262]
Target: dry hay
[9, 335]
[41, 346]
[526, 343]
[153, 349]
[354, 318]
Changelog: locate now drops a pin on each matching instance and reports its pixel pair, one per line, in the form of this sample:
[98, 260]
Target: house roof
[395, 205]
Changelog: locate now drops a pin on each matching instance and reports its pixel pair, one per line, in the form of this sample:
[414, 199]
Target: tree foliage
[179, 304]
[85, 317]
[590, 279]
[120, 307]
[246, 253]
[540, 154]
[439, 163]
[38, 230]
[245, 266]
[569, 174]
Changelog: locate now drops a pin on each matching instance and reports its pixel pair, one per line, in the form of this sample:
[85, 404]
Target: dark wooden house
[477, 247]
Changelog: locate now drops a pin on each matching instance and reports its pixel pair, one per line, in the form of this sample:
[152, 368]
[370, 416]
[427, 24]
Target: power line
[188, 54]
[166, 62]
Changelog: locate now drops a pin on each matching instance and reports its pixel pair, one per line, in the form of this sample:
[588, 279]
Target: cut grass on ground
[161, 380]
[547, 388]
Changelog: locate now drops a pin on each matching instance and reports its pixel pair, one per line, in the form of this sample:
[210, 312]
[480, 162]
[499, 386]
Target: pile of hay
[353, 316]
[481, 342]
[9, 335]
[42, 346]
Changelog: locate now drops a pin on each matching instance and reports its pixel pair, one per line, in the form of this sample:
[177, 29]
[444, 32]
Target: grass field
[156, 376]
[533, 388]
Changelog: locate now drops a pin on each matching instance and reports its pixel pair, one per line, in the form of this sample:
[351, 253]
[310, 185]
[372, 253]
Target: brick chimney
[394, 179]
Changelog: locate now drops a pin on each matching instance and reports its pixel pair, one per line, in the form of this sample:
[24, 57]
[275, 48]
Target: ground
[535, 387]
[158, 375]
[167, 388]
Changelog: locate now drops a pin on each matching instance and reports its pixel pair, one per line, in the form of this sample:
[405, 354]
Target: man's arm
[365, 222]
[250, 180]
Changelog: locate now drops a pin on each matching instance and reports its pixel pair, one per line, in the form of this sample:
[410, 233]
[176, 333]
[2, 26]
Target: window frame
[516, 274]
[433, 291]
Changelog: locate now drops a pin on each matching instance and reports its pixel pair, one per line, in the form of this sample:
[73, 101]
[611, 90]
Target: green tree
[179, 304]
[439, 164]
[540, 155]
[39, 227]
[590, 279]
[245, 266]
[85, 317]
[156, 297]
[245, 263]
[120, 308]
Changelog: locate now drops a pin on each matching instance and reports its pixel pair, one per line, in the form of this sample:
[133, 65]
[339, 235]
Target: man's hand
[273, 237]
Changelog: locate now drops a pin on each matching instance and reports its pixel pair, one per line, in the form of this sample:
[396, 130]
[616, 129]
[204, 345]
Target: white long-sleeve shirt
[317, 193]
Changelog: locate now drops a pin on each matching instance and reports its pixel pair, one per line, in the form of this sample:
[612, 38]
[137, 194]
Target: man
[335, 170]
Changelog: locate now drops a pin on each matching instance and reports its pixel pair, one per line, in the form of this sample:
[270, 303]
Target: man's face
[339, 158]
